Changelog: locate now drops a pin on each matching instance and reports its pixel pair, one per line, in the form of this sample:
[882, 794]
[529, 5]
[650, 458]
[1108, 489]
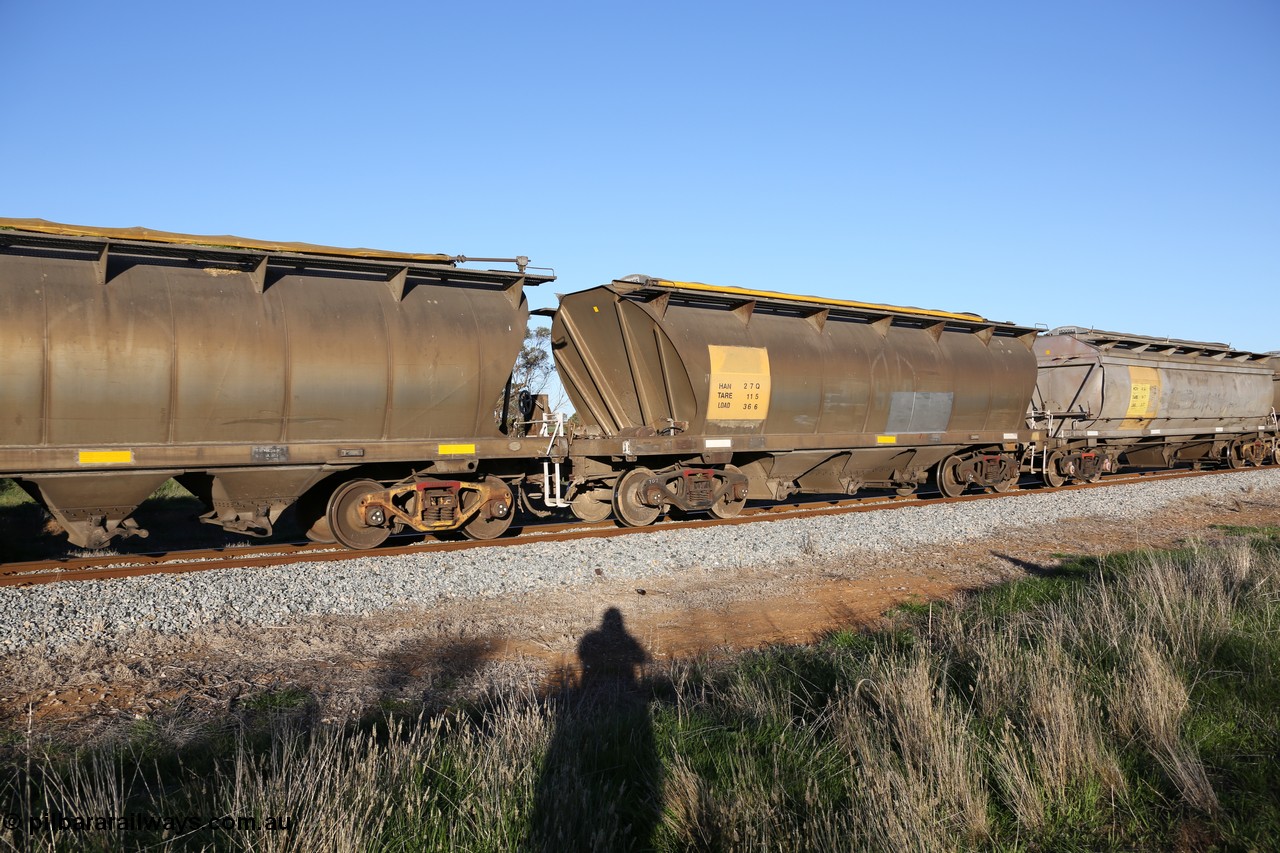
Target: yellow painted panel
[1139, 399]
[886, 439]
[457, 449]
[106, 457]
[1144, 397]
[740, 384]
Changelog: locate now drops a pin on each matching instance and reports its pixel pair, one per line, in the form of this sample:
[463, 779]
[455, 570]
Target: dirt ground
[346, 666]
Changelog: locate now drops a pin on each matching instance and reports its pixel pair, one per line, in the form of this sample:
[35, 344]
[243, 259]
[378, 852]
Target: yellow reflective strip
[886, 439]
[457, 449]
[821, 300]
[106, 457]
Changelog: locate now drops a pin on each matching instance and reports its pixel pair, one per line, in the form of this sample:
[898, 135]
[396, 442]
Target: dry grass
[915, 760]
[1062, 713]
[1149, 702]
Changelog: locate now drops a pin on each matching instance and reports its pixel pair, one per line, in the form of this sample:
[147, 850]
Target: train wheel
[949, 482]
[344, 519]
[1235, 455]
[727, 507]
[499, 512]
[587, 508]
[627, 504]
[1053, 476]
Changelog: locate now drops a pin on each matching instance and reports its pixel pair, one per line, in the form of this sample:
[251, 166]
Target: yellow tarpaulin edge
[820, 300]
[225, 241]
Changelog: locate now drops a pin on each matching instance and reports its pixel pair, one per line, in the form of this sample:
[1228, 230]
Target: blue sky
[1114, 164]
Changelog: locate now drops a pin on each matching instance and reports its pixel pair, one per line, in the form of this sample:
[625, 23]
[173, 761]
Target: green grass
[283, 700]
[1126, 703]
[12, 495]
[170, 492]
[1267, 534]
[913, 608]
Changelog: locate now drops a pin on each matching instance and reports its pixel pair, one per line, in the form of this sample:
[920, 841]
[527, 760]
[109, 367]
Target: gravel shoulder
[83, 657]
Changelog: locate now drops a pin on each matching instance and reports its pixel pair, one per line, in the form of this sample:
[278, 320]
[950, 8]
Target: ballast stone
[54, 616]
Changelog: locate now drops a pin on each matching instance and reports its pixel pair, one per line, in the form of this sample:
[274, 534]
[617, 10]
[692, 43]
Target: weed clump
[1131, 702]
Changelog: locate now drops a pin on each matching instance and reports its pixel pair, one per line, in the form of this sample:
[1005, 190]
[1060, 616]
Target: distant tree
[531, 375]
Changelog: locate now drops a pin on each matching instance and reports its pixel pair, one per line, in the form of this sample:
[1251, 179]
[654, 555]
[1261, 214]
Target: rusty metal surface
[126, 355]
[821, 396]
[1111, 384]
[171, 351]
[637, 355]
[431, 506]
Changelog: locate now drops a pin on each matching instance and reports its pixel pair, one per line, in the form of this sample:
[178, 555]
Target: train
[368, 392]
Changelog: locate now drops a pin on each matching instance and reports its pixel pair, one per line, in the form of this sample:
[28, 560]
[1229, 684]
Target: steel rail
[181, 562]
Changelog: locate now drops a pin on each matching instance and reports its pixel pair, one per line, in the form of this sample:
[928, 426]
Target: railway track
[180, 562]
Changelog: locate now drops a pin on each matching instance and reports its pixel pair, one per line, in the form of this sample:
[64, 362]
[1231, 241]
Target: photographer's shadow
[601, 782]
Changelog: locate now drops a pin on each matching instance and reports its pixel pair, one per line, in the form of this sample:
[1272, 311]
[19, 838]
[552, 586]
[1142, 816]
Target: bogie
[365, 396]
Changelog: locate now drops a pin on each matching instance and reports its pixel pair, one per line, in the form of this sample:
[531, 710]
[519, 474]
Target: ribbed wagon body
[251, 371]
[799, 393]
[1274, 360]
[360, 387]
[1152, 402]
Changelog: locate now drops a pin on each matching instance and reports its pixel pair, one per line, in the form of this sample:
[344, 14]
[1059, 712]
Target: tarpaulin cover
[224, 241]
